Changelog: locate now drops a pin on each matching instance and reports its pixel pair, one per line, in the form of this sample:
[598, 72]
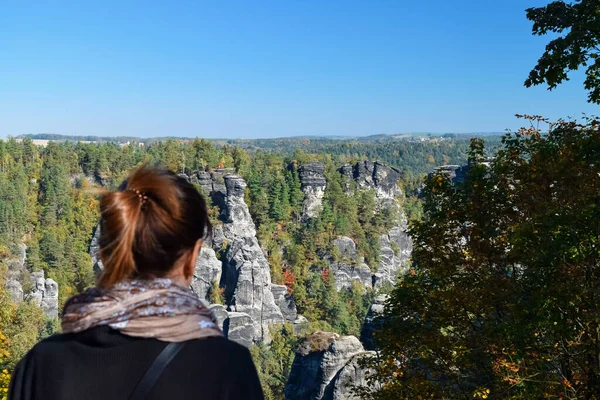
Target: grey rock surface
[94, 251]
[246, 272]
[15, 289]
[208, 269]
[44, 294]
[239, 327]
[220, 313]
[344, 274]
[346, 248]
[378, 176]
[373, 322]
[396, 245]
[396, 250]
[317, 365]
[351, 374]
[285, 302]
[313, 185]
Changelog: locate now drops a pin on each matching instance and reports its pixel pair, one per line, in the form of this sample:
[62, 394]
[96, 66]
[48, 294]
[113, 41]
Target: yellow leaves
[481, 393]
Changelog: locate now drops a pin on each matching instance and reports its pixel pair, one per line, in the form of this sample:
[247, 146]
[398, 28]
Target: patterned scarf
[156, 309]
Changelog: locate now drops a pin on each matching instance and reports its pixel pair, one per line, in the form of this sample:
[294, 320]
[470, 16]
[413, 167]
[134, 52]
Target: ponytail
[123, 212]
[148, 223]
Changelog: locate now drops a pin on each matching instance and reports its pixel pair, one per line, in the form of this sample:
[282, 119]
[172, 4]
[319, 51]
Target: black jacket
[103, 364]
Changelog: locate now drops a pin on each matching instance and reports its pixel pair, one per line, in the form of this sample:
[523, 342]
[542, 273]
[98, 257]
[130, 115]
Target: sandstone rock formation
[313, 185]
[351, 374]
[349, 267]
[208, 270]
[15, 289]
[285, 302]
[396, 245]
[373, 322]
[344, 274]
[325, 368]
[94, 251]
[239, 327]
[246, 272]
[44, 294]
[220, 313]
[375, 175]
[396, 250]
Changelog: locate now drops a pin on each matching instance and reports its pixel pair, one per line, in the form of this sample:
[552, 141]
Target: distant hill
[261, 143]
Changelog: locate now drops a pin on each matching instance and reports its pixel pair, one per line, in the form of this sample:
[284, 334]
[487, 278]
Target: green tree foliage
[576, 24]
[502, 300]
[274, 362]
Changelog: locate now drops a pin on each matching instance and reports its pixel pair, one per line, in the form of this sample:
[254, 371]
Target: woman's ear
[190, 265]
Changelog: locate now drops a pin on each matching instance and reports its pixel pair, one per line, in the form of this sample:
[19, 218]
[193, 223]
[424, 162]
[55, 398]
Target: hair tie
[142, 196]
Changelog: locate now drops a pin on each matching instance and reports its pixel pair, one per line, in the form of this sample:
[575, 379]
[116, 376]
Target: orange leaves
[326, 276]
[288, 280]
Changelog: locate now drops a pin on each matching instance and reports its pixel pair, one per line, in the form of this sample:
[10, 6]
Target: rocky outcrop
[344, 274]
[396, 250]
[239, 327]
[220, 313]
[373, 322]
[375, 175]
[346, 248]
[285, 302]
[15, 289]
[44, 294]
[208, 270]
[396, 245]
[349, 267]
[246, 272]
[313, 184]
[94, 251]
[324, 368]
[352, 374]
[301, 325]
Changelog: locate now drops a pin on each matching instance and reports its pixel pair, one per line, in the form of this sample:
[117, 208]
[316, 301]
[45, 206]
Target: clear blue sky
[258, 68]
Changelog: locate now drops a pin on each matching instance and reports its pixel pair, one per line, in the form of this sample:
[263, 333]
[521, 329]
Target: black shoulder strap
[155, 370]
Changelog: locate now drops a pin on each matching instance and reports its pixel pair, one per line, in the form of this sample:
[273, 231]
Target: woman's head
[151, 225]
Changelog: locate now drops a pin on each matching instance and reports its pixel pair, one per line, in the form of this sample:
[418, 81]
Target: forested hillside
[49, 211]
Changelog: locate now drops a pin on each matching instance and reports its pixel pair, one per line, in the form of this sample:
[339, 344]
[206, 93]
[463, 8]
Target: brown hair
[148, 223]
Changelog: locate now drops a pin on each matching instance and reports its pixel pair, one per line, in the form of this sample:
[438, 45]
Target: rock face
[313, 185]
[396, 245]
[95, 251]
[373, 322]
[239, 327]
[375, 175]
[351, 374]
[15, 289]
[344, 274]
[350, 266]
[208, 269]
[246, 272]
[324, 368]
[44, 294]
[396, 249]
[346, 248]
[285, 302]
[220, 313]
